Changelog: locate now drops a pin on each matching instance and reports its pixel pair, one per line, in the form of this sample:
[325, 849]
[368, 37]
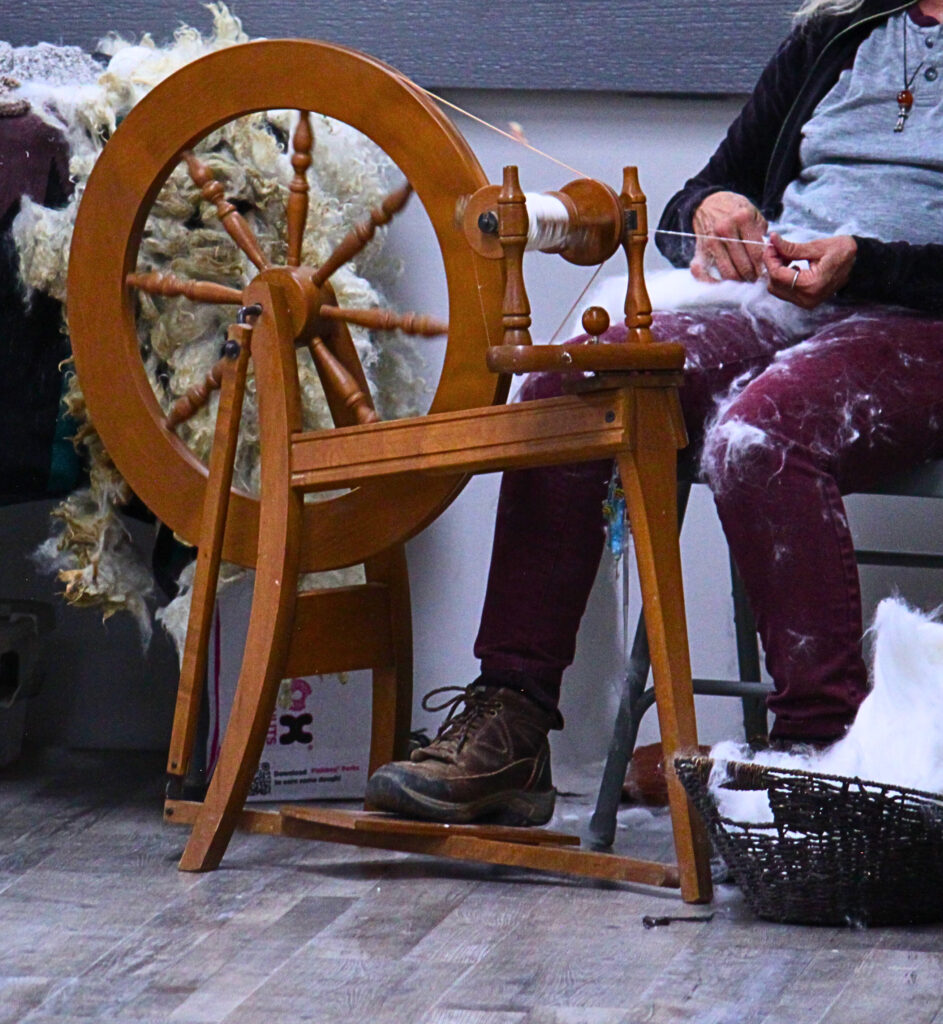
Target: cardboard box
[318, 740]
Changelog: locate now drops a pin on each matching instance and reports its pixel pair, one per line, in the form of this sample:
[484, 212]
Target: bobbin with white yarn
[583, 221]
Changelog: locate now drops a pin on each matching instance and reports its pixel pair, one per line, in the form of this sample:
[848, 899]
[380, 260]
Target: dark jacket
[760, 156]
[34, 162]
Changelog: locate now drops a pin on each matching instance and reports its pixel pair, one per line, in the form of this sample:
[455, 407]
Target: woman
[839, 143]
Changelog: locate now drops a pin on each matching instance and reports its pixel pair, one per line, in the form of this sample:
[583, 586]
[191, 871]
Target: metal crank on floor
[387, 480]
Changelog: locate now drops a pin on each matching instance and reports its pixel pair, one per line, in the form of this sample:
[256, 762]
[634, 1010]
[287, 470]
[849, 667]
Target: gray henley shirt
[858, 175]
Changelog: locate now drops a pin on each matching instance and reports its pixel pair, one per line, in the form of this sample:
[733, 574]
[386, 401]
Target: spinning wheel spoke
[360, 234]
[171, 286]
[297, 210]
[349, 404]
[190, 403]
[388, 320]
[231, 219]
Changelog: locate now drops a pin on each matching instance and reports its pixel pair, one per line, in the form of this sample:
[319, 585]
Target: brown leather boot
[489, 762]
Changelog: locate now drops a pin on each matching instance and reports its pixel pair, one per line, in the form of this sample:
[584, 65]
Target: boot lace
[468, 708]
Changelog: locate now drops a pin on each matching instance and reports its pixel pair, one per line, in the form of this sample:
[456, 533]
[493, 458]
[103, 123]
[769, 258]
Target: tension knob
[595, 322]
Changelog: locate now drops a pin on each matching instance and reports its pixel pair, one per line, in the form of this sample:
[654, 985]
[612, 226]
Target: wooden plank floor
[96, 924]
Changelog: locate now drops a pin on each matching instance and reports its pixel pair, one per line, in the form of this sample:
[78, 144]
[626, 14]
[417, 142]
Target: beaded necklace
[905, 98]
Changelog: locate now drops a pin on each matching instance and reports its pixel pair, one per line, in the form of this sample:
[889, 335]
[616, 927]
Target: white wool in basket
[897, 735]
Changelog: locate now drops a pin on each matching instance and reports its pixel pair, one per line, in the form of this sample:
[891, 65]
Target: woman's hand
[830, 262]
[731, 216]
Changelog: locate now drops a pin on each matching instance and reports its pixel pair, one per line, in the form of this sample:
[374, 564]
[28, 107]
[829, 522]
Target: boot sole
[519, 808]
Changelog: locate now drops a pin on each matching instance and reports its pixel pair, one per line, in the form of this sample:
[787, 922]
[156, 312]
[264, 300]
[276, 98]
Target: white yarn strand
[493, 127]
[714, 238]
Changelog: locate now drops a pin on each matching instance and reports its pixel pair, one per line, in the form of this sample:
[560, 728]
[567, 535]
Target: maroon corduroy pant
[785, 426]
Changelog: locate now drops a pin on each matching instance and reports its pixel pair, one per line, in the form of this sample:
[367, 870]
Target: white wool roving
[55, 65]
[897, 735]
[678, 289]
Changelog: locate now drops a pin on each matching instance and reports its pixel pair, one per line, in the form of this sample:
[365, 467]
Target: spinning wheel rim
[132, 168]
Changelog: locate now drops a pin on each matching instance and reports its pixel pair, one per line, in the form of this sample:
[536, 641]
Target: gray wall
[690, 46]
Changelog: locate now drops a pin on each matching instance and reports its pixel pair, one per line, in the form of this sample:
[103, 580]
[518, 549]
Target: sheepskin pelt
[91, 550]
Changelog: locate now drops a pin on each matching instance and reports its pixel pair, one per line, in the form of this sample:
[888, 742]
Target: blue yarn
[614, 514]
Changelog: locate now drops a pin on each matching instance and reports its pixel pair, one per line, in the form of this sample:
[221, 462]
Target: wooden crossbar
[586, 426]
[341, 630]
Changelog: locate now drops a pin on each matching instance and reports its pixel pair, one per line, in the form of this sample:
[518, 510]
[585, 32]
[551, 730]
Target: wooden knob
[595, 321]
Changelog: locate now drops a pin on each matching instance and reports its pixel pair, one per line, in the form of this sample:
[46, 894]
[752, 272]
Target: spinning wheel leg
[275, 595]
[649, 476]
[209, 550]
[256, 692]
[393, 685]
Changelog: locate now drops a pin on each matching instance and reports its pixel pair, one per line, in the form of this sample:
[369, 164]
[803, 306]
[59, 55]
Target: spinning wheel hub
[302, 296]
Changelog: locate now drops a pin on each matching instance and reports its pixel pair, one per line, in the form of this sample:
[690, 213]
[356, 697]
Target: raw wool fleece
[91, 550]
[54, 65]
[897, 735]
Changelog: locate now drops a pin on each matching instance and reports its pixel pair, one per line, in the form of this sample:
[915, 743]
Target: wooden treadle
[535, 848]
[377, 821]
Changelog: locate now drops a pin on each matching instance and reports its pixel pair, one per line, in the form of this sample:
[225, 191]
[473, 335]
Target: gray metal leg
[634, 701]
[633, 704]
[748, 660]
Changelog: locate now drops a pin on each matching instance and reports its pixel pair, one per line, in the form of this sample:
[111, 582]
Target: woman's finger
[783, 274]
[741, 259]
[719, 255]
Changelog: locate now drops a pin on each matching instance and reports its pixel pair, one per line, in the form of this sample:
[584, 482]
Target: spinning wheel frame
[630, 413]
[370, 97]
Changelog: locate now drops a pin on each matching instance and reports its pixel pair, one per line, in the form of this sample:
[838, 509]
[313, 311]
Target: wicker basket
[839, 851]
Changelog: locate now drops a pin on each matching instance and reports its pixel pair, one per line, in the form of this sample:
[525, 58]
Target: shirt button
[930, 43]
[931, 74]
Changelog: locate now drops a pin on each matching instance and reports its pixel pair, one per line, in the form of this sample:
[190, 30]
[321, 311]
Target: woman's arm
[897, 274]
[859, 269]
[741, 161]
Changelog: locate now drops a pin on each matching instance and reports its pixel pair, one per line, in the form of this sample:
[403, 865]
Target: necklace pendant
[905, 100]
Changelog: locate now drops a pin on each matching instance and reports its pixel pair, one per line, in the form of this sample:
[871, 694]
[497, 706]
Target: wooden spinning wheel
[438, 164]
[395, 476]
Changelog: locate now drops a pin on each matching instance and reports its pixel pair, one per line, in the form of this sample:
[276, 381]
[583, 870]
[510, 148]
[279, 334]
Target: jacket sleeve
[897, 274]
[740, 162]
